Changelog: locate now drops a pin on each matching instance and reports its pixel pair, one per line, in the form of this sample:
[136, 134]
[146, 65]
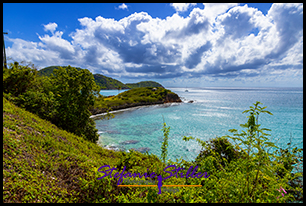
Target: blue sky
[175, 44]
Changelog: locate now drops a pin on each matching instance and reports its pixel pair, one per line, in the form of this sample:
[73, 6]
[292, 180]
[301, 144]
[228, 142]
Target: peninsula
[142, 96]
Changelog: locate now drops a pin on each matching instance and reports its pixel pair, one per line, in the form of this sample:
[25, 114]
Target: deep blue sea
[214, 111]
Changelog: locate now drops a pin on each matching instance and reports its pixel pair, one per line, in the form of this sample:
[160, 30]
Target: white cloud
[220, 41]
[181, 7]
[123, 6]
[50, 27]
[212, 10]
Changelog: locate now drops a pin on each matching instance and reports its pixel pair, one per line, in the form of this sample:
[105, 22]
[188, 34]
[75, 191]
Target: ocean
[214, 111]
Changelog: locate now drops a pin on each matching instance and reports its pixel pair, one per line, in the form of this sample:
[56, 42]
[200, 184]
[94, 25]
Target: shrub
[247, 171]
[18, 79]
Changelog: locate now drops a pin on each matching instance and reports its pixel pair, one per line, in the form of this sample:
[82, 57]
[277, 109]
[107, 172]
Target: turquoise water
[215, 110]
[111, 92]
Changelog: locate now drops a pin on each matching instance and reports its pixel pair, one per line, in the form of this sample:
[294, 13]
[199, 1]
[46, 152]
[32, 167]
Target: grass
[42, 163]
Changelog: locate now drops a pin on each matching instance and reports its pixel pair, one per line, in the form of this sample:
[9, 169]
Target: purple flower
[283, 190]
[280, 191]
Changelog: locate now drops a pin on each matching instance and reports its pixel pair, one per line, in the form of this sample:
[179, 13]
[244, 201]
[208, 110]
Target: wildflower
[280, 191]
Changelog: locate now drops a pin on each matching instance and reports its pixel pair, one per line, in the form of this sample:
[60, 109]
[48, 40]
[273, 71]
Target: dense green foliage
[134, 97]
[47, 71]
[63, 98]
[108, 83]
[104, 82]
[74, 93]
[17, 79]
[143, 84]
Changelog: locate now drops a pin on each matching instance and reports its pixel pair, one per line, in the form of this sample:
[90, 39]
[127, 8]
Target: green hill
[47, 71]
[144, 84]
[105, 82]
[42, 163]
[108, 83]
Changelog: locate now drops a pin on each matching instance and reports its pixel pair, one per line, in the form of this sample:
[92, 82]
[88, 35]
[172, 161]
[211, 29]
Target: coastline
[96, 116]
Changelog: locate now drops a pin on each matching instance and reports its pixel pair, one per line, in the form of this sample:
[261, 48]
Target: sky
[177, 45]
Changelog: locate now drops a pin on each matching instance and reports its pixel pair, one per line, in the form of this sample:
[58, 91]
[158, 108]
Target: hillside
[42, 163]
[105, 82]
[144, 84]
[108, 83]
[47, 71]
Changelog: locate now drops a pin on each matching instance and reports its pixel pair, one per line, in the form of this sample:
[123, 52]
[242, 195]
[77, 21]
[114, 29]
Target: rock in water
[129, 142]
[142, 149]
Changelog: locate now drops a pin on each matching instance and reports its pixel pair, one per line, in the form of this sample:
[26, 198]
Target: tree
[18, 79]
[74, 92]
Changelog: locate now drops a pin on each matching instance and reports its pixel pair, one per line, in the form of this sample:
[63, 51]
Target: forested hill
[108, 83]
[105, 82]
[144, 84]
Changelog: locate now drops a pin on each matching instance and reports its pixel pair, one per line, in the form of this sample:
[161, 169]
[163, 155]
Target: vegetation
[134, 97]
[144, 84]
[248, 171]
[108, 83]
[104, 82]
[42, 162]
[47, 71]
[164, 150]
[63, 98]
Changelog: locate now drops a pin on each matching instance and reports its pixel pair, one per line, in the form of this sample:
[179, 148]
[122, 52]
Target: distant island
[104, 82]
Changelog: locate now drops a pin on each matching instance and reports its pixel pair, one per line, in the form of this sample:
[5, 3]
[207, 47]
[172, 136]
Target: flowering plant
[280, 191]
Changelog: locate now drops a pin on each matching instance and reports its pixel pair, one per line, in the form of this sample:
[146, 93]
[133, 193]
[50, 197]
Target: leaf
[270, 144]
[265, 111]
[266, 129]
[232, 130]
[246, 111]
[244, 125]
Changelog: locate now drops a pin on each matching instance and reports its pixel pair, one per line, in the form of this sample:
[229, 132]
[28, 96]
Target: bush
[64, 98]
[18, 79]
[247, 171]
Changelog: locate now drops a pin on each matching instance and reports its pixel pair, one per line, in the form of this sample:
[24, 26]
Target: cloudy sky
[184, 45]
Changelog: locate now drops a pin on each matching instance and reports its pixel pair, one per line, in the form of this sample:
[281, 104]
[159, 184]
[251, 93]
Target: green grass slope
[42, 163]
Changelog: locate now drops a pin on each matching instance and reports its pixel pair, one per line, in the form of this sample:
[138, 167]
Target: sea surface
[214, 111]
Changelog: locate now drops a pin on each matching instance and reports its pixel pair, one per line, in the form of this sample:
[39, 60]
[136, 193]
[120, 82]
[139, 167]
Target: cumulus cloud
[181, 7]
[219, 41]
[50, 27]
[57, 44]
[123, 6]
[212, 10]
